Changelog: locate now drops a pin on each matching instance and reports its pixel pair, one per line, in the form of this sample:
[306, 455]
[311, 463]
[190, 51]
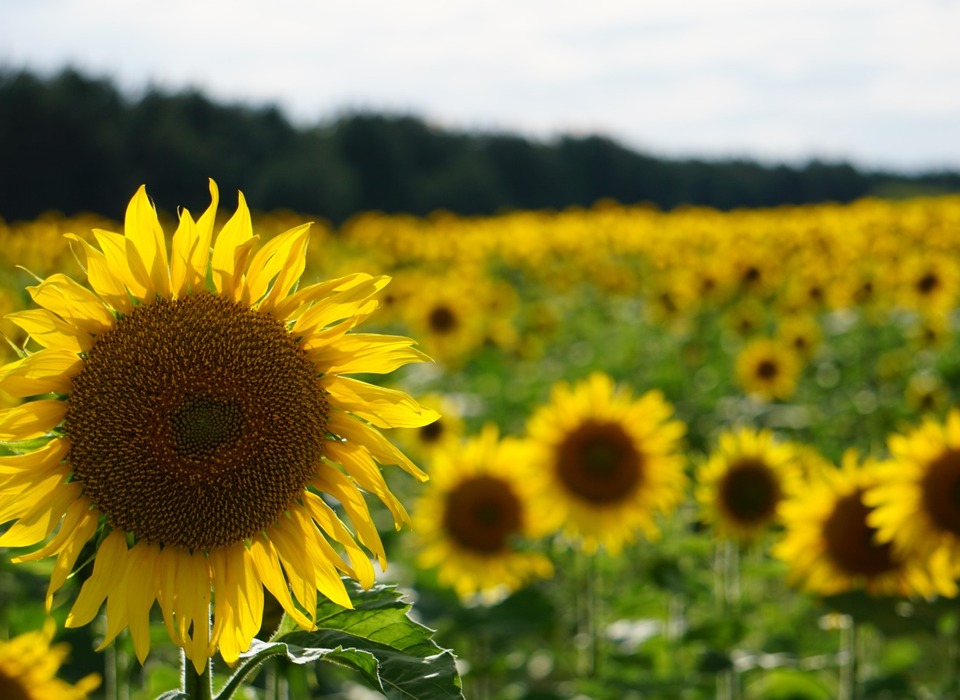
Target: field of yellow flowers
[692, 454]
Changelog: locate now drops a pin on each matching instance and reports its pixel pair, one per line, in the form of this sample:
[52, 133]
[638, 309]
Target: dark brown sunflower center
[195, 422]
[749, 492]
[442, 319]
[941, 491]
[850, 542]
[598, 462]
[482, 513]
[201, 424]
[767, 369]
[928, 283]
[12, 688]
[432, 432]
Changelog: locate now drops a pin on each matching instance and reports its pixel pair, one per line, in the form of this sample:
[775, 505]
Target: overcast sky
[875, 82]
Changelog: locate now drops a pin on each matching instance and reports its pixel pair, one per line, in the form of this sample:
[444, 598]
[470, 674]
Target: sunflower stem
[590, 656]
[727, 591]
[196, 686]
[848, 659]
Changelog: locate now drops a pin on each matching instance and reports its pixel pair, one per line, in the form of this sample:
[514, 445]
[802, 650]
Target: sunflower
[741, 484]
[473, 519]
[802, 333]
[915, 499]
[606, 462]
[829, 545]
[768, 369]
[187, 413]
[29, 665]
[449, 313]
[926, 393]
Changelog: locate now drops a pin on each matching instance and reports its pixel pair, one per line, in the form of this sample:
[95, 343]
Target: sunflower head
[29, 666]
[476, 520]
[187, 411]
[768, 369]
[608, 463]
[831, 546]
[916, 497]
[742, 483]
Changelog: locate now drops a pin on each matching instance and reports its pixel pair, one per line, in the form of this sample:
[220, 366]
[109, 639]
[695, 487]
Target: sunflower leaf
[394, 654]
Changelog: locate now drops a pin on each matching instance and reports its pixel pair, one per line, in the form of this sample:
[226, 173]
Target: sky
[872, 82]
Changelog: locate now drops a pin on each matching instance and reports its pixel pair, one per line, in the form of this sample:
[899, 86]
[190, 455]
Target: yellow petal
[107, 286]
[41, 373]
[331, 481]
[141, 592]
[168, 564]
[373, 441]
[124, 263]
[182, 274]
[142, 228]
[200, 257]
[117, 618]
[108, 568]
[225, 603]
[331, 525]
[362, 469]
[51, 452]
[267, 564]
[357, 299]
[293, 306]
[73, 303]
[74, 525]
[80, 534]
[231, 249]
[372, 353]
[31, 420]
[42, 516]
[51, 331]
[282, 258]
[382, 407]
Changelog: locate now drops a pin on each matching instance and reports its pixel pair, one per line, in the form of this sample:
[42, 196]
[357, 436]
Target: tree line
[74, 143]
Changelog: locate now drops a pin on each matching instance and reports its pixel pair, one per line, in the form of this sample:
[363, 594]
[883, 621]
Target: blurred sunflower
[473, 518]
[801, 333]
[29, 665]
[449, 314]
[190, 415]
[926, 393]
[606, 463]
[915, 499]
[768, 369]
[929, 281]
[741, 484]
[829, 545]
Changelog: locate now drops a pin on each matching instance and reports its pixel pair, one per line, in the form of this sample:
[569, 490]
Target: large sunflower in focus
[915, 500]
[190, 411]
[742, 483]
[474, 515]
[830, 546]
[29, 665]
[607, 463]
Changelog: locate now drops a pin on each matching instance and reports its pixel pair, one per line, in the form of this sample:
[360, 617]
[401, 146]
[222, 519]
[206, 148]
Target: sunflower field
[689, 454]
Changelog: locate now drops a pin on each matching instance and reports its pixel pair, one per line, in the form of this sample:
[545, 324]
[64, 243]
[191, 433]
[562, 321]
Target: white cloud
[771, 77]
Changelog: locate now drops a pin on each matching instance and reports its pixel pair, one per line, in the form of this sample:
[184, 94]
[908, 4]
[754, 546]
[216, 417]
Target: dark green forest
[76, 143]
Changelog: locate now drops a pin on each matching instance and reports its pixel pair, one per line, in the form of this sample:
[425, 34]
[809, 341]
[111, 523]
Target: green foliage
[103, 143]
[388, 650]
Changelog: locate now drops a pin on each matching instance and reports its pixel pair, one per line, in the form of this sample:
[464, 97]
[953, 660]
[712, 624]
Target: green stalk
[196, 686]
[848, 659]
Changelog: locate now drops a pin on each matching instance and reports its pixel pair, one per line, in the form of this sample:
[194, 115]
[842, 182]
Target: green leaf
[391, 652]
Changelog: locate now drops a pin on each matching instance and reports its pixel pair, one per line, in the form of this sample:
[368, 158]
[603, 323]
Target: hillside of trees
[75, 143]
